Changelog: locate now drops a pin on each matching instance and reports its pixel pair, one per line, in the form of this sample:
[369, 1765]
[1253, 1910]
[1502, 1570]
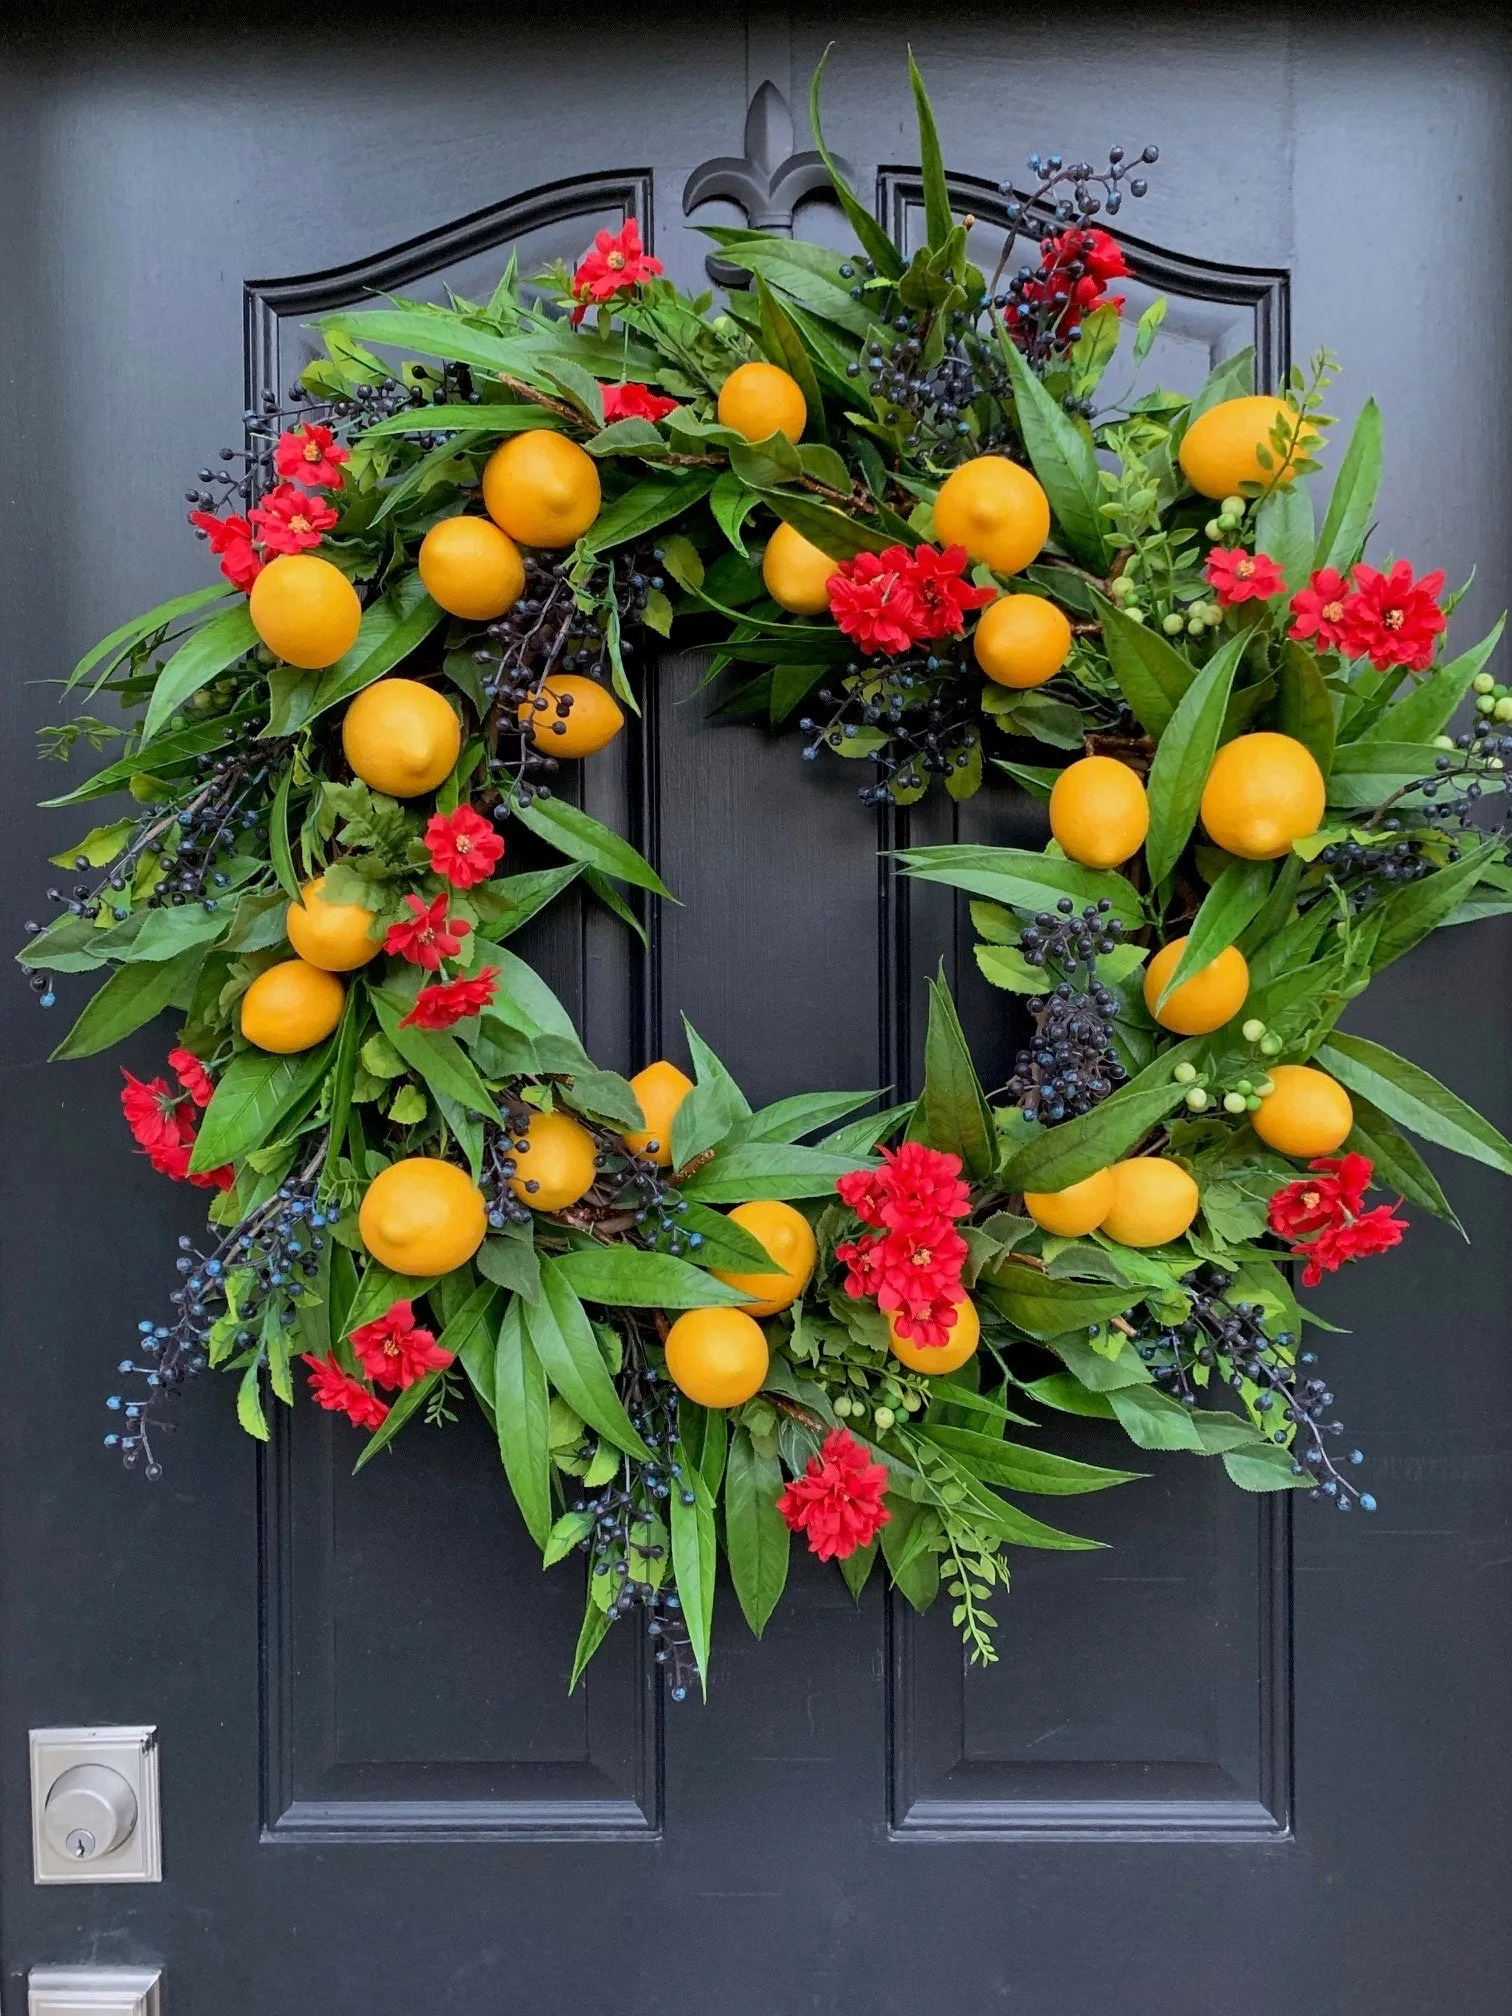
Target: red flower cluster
[617, 261]
[163, 1129]
[394, 1351]
[463, 846]
[1324, 1216]
[1388, 618]
[912, 1262]
[892, 600]
[1237, 576]
[427, 935]
[440, 1007]
[288, 520]
[635, 402]
[339, 1393]
[1075, 266]
[837, 1501]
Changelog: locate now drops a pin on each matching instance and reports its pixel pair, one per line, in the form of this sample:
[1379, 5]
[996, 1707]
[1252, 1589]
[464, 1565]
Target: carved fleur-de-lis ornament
[767, 182]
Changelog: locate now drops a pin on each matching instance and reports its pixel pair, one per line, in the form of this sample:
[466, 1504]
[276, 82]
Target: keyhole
[81, 1843]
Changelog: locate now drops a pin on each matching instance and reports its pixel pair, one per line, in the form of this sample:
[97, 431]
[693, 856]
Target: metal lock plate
[93, 1991]
[95, 1806]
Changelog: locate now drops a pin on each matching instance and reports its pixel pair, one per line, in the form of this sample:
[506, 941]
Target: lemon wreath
[890, 496]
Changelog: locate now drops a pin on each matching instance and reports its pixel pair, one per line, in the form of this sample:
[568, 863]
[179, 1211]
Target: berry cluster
[1228, 1340]
[923, 706]
[1070, 1063]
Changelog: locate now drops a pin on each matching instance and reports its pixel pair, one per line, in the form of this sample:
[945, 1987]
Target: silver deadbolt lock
[95, 1805]
[91, 1810]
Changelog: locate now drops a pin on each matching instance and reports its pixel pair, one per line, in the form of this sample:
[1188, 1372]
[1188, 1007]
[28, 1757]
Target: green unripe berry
[913, 1402]
[1482, 683]
[1134, 615]
[1119, 588]
[1499, 691]
[1196, 1099]
[1214, 529]
[1243, 1085]
[1271, 1045]
[1233, 506]
[1443, 742]
[1233, 1102]
[842, 1408]
[1253, 1030]
[1212, 615]
[1195, 626]
[1252, 1104]
[1502, 711]
[1185, 1072]
[1264, 1087]
[884, 1418]
[1173, 625]
[1485, 704]
[1227, 522]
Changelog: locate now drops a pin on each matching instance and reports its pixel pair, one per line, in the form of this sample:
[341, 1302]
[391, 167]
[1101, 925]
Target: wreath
[892, 497]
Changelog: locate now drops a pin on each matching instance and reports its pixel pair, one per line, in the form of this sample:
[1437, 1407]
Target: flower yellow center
[1244, 568]
[312, 451]
[1310, 1199]
[1332, 611]
[298, 523]
[615, 261]
[1394, 619]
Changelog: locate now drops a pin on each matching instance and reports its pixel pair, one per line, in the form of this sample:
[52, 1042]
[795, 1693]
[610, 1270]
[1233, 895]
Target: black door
[1251, 1760]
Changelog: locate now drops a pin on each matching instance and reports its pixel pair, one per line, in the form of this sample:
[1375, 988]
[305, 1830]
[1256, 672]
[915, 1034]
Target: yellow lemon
[1219, 449]
[996, 510]
[759, 400]
[401, 737]
[964, 1336]
[797, 575]
[333, 936]
[1154, 1201]
[291, 1007]
[1206, 1001]
[305, 610]
[575, 716]
[557, 1163]
[718, 1357]
[1263, 792]
[1307, 1114]
[422, 1217]
[1021, 640]
[1078, 1209]
[659, 1090]
[471, 568]
[1099, 812]
[542, 489]
[789, 1238]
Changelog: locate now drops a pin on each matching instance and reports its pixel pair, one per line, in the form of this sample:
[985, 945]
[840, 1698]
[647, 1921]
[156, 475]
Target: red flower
[1392, 619]
[231, 538]
[464, 848]
[440, 1007]
[872, 599]
[635, 402]
[944, 595]
[151, 1112]
[837, 1501]
[1074, 270]
[311, 455]
[1376, 1232]
[616, 262]
[290, 520]
[393, 1351]
[912, 1266]
[164, 1131]
[1237, 576]
[1318, 610]
[428, 936]
[192, 1075]
[922, 1186]
[1331, 1198]
[339, 1393]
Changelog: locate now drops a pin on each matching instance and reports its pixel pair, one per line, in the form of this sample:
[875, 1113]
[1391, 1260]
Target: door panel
[1239, 1761]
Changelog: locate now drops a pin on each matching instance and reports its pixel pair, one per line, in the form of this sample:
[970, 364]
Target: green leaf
[756, 1538]
[217, 644]
[131, 997]
[1185, 756]
[1043, 1307]
[279, 851]
[785, 347]
[1154, 1420]
[1398, 1165]
[874, 241]
[172, 752]
[1265, 1468]
[472, 1322]
[522, 1410]
[1431, 705]
[952, 1114]
[1027, 881]
[651, 502]
[726, 1245]
[583, 838]
[1414, 1099]
[120, 641]
[1304, 706]
[512, 900]
[255, 1093]
[805, 1113]
[1152, 675]
[509, 1258]
[595, 1630]
[1414, 909]
[1284, 530]
[1232, 901]
[1062, 457]
[695, 1557]
[862, 1136]
[1234, 378]
[98, 848]
[707, 1113]
[823, 526]
[391, 629]
[750, 1169]
[1352, 505]
[1019, 1468]
[565, 1343]
[1053, 1158]
[938, 222]
[626, 1277]
[1367, 773]
[809, 274]
[249, 1407]
[437, 1057]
